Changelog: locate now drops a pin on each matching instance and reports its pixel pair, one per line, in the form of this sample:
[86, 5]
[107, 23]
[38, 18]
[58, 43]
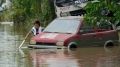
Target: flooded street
[10, 56]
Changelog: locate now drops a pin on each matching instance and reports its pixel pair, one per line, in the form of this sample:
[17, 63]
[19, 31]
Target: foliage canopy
[103, 11]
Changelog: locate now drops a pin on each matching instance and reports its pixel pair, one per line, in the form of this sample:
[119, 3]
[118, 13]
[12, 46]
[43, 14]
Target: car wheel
[109, 43]
[72, 45]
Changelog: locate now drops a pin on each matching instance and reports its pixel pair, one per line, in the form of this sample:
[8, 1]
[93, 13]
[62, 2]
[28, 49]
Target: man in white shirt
[36, 28]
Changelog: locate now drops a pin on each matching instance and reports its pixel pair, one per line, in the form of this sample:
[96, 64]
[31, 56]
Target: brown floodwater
[11, 36]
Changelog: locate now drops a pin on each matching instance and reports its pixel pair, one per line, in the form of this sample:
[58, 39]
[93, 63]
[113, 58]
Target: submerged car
[72, 32]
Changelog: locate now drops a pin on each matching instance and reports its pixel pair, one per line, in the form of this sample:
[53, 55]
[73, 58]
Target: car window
[104, 26]
[86, 29]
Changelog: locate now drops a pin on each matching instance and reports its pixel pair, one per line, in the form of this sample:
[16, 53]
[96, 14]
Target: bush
[25, 11]
[107, 10]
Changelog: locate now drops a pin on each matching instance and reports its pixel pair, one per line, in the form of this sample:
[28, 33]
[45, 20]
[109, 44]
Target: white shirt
[34, 30]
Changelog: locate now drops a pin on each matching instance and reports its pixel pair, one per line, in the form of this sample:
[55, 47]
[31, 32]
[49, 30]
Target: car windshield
[63, 26]
[63, 3]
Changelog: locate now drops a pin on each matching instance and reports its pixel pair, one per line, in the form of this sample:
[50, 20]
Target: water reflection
[82, 57]
[9, 42]
[52, 58]
[7, 47]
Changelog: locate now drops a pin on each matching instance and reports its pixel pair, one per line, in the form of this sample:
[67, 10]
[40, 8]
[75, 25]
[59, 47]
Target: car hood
[51, 37]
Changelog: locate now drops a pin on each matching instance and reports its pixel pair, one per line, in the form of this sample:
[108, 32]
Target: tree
[107, 11]
[25, 11]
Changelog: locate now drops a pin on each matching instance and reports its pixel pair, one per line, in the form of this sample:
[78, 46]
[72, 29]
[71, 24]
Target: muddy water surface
[10, 56]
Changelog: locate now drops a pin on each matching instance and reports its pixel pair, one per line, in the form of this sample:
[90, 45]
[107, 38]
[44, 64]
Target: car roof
[72, 18]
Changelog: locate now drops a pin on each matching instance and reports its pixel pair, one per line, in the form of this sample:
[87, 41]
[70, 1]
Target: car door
[104, 32]
[87, 36]
[106, 35]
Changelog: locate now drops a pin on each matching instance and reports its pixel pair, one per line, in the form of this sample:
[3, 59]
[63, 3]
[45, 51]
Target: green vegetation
[107, 11]
[26, 11]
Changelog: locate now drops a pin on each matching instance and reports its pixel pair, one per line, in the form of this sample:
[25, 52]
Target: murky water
[10, 56]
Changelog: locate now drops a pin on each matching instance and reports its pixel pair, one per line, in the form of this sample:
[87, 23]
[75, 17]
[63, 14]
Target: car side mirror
[42, 29]
[81, 31]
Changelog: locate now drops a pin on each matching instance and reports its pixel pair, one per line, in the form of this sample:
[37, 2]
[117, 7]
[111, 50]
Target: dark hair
[37, 22]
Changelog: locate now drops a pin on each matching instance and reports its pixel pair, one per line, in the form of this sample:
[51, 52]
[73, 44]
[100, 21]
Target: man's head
[37, 24]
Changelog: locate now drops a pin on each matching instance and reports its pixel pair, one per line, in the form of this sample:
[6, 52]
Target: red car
[72, 32]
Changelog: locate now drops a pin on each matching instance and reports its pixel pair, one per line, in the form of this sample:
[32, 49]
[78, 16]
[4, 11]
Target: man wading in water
[36, 28]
